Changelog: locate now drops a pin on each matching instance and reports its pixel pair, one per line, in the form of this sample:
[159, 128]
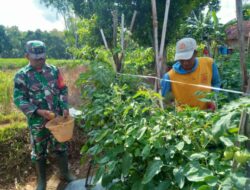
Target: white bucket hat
[185, 49]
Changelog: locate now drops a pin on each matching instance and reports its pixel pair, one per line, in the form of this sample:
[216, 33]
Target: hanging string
[189, 84]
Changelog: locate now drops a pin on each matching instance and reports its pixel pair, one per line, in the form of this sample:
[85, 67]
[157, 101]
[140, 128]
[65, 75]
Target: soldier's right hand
[46, 114]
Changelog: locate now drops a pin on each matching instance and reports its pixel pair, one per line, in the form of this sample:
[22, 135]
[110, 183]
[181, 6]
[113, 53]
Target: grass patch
[15, 152]
[16, 63]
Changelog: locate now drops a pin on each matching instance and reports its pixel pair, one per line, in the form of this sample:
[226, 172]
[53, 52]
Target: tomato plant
[137, 145]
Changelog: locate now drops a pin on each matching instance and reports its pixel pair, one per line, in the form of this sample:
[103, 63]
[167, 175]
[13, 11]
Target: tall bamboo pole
[132, 21]
[163, 34]
[239, 15]
[155, 28]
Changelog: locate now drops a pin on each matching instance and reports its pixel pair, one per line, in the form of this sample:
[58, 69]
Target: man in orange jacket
[189, 75]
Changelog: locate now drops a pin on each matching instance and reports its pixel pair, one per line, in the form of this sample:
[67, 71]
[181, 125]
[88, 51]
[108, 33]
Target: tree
[5, 44]
[246, 12]
[179, 11]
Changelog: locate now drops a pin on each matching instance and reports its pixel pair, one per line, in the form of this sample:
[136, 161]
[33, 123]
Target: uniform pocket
[36, 94]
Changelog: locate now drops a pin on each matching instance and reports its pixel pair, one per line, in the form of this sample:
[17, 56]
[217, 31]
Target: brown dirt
[70, 76]
[77, 165]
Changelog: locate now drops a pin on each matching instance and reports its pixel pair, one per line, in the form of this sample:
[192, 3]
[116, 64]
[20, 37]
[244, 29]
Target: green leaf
[153, 169]
[197, 156]
[137, 185]
[241, 138]
[233, 130]
[211, 180]
[179, 177]
[239, 180]
[101, 135]
[126, 163]
[106, 180]
[103, 160]
[95, 149]
[99, 174]
[205, 187]
[226, 141]
[187, 139]
[141, 132]
[220, 126]
[163, 185]
[146, 151]
[199, 175]
[180, 146]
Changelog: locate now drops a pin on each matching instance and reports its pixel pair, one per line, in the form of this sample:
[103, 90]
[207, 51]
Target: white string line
[197, 85]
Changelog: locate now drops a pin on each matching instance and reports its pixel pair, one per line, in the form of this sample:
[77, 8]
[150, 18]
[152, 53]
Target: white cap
[185, 49]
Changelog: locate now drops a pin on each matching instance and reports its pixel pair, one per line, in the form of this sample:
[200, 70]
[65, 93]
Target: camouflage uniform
[40, 90]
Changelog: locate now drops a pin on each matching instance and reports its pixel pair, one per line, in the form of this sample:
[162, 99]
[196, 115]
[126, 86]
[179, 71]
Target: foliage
[14, 145]
[246, 11]
[230, 73]
[206, 29]
[13, 42]
[137, 145]
[6, 89]
[142, 32]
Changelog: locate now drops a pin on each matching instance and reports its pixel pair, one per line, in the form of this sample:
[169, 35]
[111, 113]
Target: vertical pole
[104, 39]
[155, 28]
[122, 33]
[242, 47]
[132, 21]
[163, 34]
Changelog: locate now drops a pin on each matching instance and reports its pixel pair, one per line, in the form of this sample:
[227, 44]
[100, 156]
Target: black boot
[65, 174]
[41, 174]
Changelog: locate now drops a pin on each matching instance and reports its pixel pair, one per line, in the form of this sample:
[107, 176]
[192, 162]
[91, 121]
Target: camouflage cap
[35, 49]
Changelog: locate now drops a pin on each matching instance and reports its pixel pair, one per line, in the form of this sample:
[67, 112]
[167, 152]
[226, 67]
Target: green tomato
[228, 155]
[241, 157]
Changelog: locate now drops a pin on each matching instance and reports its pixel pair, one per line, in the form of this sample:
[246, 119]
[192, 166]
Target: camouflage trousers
[43, 142]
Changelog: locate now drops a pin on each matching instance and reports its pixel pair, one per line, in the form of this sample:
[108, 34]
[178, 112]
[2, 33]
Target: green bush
[15, 153]
[137, 145]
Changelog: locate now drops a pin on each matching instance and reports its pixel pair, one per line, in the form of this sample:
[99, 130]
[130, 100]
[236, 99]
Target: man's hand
[65, 113]
[46, 114]
[211, 106]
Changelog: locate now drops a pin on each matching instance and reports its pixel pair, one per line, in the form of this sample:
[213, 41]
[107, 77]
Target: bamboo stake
[115, 23]
[121, 58]
[241, 43]
[104, 39]
[122, 33]
[132, 21]
[155, 27]
[163, 34]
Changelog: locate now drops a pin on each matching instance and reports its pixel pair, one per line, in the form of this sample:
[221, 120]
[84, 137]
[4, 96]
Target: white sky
[29, 15]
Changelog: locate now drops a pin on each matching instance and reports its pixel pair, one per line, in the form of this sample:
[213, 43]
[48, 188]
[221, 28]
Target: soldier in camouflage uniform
[39, 90]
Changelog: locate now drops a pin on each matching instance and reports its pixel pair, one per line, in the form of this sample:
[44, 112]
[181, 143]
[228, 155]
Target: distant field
[16, 63]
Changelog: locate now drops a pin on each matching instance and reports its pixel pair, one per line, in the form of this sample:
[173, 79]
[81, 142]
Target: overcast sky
[30, 15]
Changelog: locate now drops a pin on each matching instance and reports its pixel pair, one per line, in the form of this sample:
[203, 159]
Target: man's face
[188, 64]
[36, 63]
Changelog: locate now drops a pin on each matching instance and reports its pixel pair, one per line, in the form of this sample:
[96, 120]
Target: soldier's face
[36, 63]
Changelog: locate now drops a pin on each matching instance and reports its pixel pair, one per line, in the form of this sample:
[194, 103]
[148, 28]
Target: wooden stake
[163, 34]
[132, 21]
[241, 43]
[155, 27]
[122, 33]
[104, 39]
